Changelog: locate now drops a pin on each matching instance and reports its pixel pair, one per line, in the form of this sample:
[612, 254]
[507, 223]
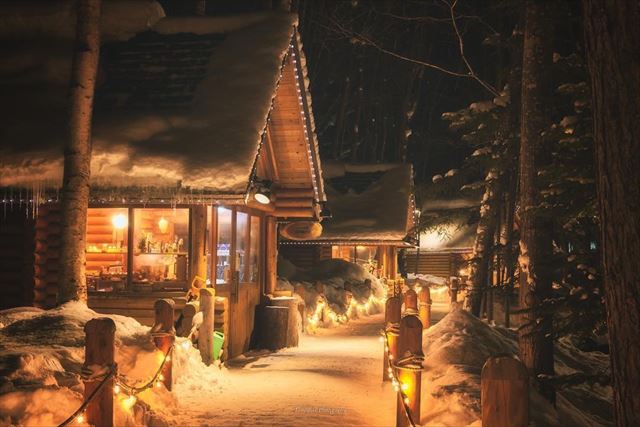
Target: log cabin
[203, 141]
[373, 216]
[447, 244]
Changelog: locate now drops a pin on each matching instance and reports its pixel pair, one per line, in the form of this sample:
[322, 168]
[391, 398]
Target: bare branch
[472, 73]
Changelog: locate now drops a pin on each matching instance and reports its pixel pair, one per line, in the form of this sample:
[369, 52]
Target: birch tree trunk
[77, 153]
[612, 38]
[535, 340]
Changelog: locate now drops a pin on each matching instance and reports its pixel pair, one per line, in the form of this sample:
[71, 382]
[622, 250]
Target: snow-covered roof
[452, 230]
[369, 203]
[181, 106]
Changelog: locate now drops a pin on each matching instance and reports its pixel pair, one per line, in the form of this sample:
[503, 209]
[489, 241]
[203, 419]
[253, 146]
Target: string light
[398, 386]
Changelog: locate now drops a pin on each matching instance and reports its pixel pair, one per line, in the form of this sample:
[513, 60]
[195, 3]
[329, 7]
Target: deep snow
[333, 378]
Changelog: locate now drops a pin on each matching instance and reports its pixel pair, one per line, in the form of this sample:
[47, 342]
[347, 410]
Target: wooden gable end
[286, 157]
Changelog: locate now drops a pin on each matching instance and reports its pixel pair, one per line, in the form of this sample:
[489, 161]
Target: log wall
[48, 241]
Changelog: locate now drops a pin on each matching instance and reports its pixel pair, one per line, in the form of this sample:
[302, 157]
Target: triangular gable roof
[181, 107]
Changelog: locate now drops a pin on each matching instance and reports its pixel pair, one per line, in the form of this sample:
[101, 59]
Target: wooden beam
[198, 243]
[300, 202]
[293, 213]
[284, 193]
[271, 254]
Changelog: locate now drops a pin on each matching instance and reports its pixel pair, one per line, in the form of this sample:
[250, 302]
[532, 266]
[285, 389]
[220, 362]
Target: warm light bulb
[80, 419]
[186, 344]
[381, 339]
[119, 221]
[116, 389]
[158, 384]
[163, 225]
[168, 359]
[160, 377]
[262, 198]
[406, 400]
[404, 387]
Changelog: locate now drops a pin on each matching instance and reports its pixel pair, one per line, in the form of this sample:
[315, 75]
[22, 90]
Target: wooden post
[504, 385]
[205, 337]
[188, 312]
[392, 316]
[409, 371]
[411, 301]
[453, 290]
[271, 254]
[424, 306]
[164, 335]
[198, 259]
[99, 350]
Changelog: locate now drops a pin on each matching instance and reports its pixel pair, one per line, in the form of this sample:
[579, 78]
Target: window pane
[254, 250]
[107, 233]
[161, 242]
[242, 237]
[223, 262]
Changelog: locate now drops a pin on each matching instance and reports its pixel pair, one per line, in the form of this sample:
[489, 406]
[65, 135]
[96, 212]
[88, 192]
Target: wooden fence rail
[99, 372]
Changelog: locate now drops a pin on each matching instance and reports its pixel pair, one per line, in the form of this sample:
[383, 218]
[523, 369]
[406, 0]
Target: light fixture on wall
[262, 192]
[163, 225]
[119, 221]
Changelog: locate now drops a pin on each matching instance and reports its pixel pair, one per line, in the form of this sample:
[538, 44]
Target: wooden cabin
[445, 248]
[372, 218]
[195, 120]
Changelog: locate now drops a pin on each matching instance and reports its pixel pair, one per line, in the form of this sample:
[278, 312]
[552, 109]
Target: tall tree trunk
[535, 340]
[77, 153]
[483, 245]
[612, 38]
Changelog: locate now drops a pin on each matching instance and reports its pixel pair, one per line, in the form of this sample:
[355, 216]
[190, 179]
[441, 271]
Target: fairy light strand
[398, 386]
[120, 385]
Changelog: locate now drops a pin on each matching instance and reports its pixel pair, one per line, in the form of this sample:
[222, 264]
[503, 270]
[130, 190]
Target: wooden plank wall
[302, 256]
[17, 245]
[434, 263]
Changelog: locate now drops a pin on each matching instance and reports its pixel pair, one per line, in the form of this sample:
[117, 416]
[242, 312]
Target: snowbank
[457, 347]
[42, 352]
[334, 291]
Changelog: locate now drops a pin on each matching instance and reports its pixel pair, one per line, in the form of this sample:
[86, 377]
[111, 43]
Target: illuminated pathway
[333, 378]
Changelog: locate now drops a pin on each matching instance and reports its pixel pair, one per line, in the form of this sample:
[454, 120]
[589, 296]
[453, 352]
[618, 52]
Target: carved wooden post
[164, 335]
[188, 312]
[409, 369]
[410, 302]
[504, 394]
[424, 306]
[99, 350]
[392, 315]
[205, 337]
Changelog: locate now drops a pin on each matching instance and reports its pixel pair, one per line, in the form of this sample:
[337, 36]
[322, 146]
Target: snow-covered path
[333, 378]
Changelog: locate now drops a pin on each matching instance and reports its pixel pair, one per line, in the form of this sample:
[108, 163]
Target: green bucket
[218, 341]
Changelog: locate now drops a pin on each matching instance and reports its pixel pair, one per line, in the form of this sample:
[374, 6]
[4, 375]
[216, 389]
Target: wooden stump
[205, 336]
[276, 322]
[424, 306]
[392, 316]
[99, 350]
[409, 374]
[504, 385]
[164, 335]
[292, 324]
